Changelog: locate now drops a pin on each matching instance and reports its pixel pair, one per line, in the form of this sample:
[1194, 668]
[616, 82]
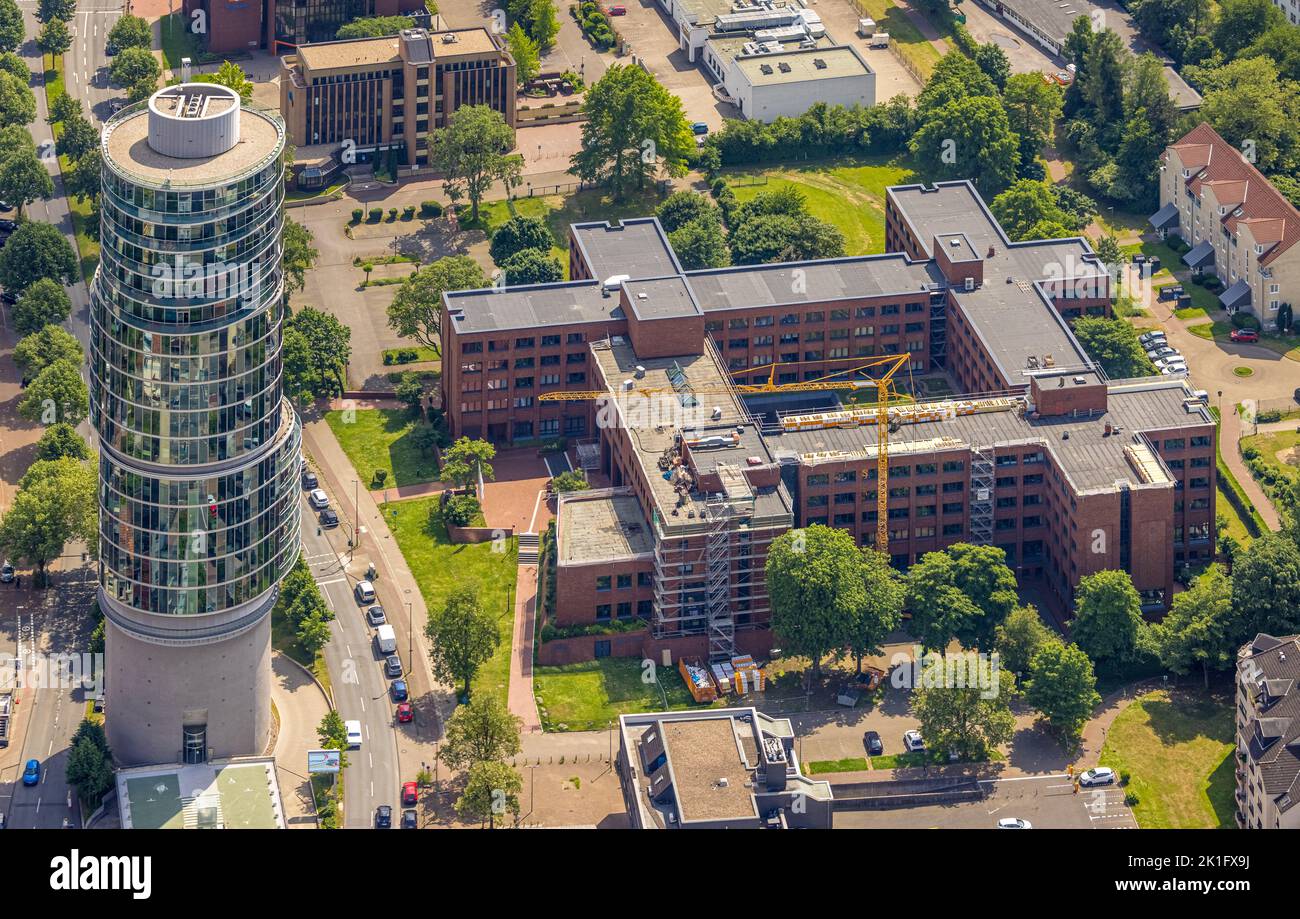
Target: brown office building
[382, 93]
[276, 25]
[1066, 471]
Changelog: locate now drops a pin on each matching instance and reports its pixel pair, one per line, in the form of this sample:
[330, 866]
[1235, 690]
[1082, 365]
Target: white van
[353, 729]
[385, 639]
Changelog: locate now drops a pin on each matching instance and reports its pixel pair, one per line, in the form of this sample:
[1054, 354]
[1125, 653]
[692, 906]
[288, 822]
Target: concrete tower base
[208, 673]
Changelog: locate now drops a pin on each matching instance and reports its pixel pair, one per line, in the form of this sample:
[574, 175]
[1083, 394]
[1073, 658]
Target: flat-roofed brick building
[1066, 471]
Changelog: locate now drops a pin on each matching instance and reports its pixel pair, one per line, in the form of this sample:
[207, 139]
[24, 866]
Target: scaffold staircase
[981, 495]
[722, 627]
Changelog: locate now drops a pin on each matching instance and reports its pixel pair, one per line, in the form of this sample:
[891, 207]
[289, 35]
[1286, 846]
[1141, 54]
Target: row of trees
[830, 597]
[301, 605]
[533, 27]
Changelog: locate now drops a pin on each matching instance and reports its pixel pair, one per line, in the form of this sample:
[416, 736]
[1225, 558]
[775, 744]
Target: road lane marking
[331, 581]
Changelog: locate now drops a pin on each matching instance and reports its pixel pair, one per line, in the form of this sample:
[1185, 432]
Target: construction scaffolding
[981, 495]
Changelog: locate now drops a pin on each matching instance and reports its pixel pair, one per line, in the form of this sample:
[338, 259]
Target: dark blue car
[32, 774]
[397, 689]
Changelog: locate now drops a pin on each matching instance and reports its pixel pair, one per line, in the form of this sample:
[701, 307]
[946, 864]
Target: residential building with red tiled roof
[1239, 226]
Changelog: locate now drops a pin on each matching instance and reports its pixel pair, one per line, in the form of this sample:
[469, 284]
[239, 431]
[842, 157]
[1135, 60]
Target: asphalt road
[56, 619]
[358, 682]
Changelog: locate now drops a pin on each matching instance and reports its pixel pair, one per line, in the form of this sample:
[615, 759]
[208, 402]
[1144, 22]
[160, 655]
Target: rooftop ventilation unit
[970, 283]
[819, 63]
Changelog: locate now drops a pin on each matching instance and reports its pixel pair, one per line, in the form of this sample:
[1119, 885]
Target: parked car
[913, 742]
[1244, 335]
[1296, 395]
[1014, 823]
[8, 226]
[9, 298]
[329, 519]
[375, 616]
[392, 666]
[6, 573]
[319, 499]
[1171, 369]
[397, 689]
[617, 11]
[1165, 360]
[32, 772]
[309, 481]
[1149, 339]
[364, 592]
[700, 127]
[353, 729]
[384, 817]
[1160, 351]
[1139, 258]
[409, 820]
[1098, 775]
[410, 794]
[405, 713]
[871, 740]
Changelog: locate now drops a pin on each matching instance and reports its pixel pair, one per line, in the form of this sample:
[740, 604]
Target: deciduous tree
[416, 310]
[483, 731]
[462, 637]
[1062, 687]
[44, 303]
[817, 589]
[473, 152]
[1107, 616]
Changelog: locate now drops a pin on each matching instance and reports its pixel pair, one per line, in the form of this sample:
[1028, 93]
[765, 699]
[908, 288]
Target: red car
[617, 11]
[410, 795]
[405, 713]
[1244, 335]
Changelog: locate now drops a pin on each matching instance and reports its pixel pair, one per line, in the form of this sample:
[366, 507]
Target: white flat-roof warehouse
[773, 58]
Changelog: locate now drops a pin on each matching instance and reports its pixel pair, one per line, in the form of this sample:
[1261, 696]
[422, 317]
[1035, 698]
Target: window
[625, 610]
[954, 466]
[624, 582]
[575, 338]
[951, 488]
[523, 342]
[953, 507]
[842, 477]
[576, 378]
[817, 479]
[602, 582]
[923, 532]
[550, 341]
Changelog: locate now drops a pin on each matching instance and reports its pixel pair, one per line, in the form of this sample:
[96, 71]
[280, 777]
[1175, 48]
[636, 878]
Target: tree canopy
[416, 310]
[36, 250]
[43, 303]
[317, 348]
[816, 584]
[634, 128]
[1107, 616]
[462, 637]
[473, 152]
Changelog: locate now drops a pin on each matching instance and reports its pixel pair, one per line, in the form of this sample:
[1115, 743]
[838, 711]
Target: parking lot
[1047, 802]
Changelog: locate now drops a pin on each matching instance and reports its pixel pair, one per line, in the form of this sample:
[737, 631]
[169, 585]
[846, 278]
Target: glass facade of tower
[200, 452]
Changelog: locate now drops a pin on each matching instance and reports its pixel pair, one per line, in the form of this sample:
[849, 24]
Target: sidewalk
[520, 699]
[301, 705]
[1230, 433]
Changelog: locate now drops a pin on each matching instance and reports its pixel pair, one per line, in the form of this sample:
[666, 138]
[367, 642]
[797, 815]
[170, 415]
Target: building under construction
[726, 416]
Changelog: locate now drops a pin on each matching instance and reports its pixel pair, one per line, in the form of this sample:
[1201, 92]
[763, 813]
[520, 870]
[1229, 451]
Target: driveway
[301, 704]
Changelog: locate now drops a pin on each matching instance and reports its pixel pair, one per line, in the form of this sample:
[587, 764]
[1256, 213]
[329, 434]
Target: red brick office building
[1066, 471]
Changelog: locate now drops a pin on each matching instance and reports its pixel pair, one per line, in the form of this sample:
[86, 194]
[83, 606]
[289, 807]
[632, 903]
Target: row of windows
[816, 316]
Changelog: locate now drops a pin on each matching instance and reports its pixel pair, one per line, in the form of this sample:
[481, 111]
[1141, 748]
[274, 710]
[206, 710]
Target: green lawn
[383, 439]
[1191, 312]
[589, 695]
[848, 192]
[1286, 345]
[439, 566]
[848, 764]
[425, 354]
[177, 41]
[1273, 447]
[298, 194]
[1177, 750]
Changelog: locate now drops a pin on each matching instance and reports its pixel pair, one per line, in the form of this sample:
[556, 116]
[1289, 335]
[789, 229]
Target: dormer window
[1259, 250]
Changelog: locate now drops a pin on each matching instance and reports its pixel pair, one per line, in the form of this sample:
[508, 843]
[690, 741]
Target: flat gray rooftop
[601, 529]
[126, 144]
[1014, 320]
[1089, 459]
[637, 248]
[810, 282]
[531, 307]
[661, 298]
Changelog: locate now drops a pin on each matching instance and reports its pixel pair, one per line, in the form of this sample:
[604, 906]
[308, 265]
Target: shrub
[569, 481]
[388, 358]
[408, 212]
[1243, 320]
[357, 214]
[380, 476]
[392, 213]
[430, 209]
[1268, 416]
[717, 187]
[376, 214]
[461, 510]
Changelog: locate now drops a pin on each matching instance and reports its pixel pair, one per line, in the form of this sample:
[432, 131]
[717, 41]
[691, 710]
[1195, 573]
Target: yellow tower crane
[886, 394]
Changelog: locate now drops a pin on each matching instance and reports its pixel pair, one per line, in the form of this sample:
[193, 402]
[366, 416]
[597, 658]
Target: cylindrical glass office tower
[199, 449]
